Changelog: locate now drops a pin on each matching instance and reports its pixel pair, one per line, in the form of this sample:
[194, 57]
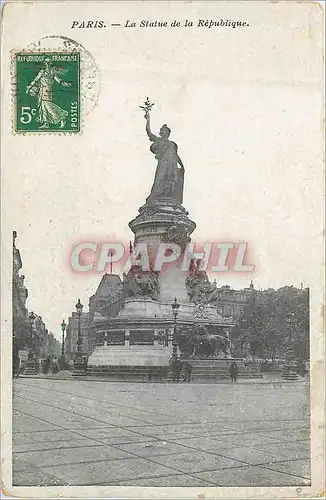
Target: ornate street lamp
[63, 328]
[175, 307]
[79, 308]
[166, 338]
[31, 333]
[30, 368]
[80, 361]
[290, 371]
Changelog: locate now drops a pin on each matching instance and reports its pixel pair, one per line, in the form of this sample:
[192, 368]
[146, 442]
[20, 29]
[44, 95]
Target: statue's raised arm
[151, 136]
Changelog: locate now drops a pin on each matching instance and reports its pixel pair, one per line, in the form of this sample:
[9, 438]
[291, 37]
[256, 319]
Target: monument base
[130, 356]
[290, 369]
[30, 368]
[290, 373]
[153, 362]
[80, 364]
[136, 362]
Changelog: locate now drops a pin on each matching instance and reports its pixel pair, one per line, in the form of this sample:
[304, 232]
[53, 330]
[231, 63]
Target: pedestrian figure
[188, 369]
[85, 359]
[150, 374]
[164, 372]
[176, 367]
[46, 365]
[302, 369]
[16, 363]
[234, 372]
[55, 367]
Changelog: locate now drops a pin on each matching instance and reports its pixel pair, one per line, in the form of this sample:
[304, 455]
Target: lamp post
[80, 357]
[290, 371]
[175, 307]
[79, 308]
[31, 336]
[166, 338]
[63, 328]
[30, 368]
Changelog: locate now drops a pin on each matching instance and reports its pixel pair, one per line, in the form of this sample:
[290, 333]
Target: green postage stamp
[47, 97]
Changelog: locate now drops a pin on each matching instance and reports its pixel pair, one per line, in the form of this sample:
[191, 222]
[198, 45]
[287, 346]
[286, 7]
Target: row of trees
[275, 320]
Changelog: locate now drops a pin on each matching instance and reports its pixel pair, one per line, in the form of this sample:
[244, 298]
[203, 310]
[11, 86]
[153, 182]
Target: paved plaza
[77, 432]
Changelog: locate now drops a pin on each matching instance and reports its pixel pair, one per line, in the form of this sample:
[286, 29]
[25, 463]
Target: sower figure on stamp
[49, 113]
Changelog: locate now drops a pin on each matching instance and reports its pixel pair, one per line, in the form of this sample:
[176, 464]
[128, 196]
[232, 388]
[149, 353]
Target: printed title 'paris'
[199, 23]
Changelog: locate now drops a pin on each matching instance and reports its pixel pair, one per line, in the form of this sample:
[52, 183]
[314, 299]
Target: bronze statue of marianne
[169, 176]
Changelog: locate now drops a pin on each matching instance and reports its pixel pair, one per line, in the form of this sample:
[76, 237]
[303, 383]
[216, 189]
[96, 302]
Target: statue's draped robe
[169, 178]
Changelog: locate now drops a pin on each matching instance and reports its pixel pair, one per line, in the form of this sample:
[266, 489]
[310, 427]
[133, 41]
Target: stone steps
[223, 373]
[290, 376]
[130, 372]
[200, 371]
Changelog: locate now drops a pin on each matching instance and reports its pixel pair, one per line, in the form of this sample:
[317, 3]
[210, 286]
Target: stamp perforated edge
[14, 83]
[32, 49]
[13, 76]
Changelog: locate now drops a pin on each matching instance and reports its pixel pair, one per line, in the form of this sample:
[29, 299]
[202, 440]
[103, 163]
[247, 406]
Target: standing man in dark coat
[55, 366]
[46, 365]
[15, 362]
[188, 369]
[234, 372]
[176, 367]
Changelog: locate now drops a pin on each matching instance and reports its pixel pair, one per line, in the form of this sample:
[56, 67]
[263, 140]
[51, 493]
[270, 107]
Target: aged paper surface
[188, 378]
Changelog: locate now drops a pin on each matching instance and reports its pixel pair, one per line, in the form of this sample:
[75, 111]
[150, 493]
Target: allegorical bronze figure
[169, 176]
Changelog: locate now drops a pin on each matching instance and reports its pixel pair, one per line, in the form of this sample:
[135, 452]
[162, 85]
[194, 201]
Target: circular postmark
[89, 71]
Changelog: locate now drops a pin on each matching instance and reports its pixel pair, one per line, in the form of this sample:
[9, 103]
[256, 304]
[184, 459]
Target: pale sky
[244, 106]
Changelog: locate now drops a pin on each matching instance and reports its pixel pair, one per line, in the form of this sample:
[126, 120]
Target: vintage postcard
[162, 328]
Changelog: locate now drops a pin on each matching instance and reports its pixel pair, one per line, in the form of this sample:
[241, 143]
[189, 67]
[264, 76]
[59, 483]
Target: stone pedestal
[140, 307]
[140, 350]
[134, 355]
[30, 368]
[155, 219]
[130, 362]
[80, 364]
[135, 346]
[290, 370]
[172, 284]
[165, 221]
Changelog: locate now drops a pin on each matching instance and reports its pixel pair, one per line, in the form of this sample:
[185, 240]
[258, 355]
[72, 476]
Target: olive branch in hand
[147, 107]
